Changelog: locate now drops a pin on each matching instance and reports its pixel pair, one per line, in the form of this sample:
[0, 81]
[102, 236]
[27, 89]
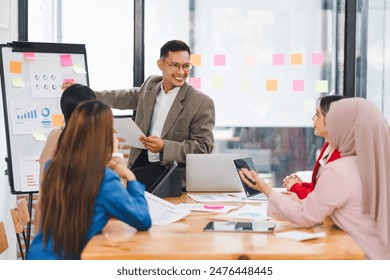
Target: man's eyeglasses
[176, 66]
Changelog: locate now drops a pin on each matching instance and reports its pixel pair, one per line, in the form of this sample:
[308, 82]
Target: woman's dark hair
[324, 102]
[72, 96]
[173, 46]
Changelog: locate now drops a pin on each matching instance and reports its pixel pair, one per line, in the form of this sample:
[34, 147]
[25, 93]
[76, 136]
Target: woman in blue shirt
[80, 193]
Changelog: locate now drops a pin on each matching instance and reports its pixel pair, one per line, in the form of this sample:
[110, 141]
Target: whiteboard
[31, 79]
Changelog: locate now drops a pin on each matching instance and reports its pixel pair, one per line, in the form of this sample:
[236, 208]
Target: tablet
[247, 163]
[240, 226]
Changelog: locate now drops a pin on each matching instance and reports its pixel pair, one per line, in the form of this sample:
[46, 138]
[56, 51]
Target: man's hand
[153, 143]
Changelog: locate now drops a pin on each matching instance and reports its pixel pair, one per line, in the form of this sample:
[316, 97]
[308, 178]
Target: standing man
[176, 118]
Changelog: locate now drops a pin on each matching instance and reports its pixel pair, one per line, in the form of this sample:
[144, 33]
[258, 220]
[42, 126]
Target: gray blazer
[188, 126]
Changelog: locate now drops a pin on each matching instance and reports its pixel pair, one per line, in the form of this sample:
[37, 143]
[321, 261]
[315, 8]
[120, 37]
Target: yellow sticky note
[39, 136]
[196, 59]
[79, 69]
[57, 119]
[296, 58]
[271, 85]
[15, 67]
[322, 86]
[218, 82]
[309, 106]
[18, 82]
[245, 85]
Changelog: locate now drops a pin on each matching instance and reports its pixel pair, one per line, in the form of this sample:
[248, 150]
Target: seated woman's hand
[121, 170]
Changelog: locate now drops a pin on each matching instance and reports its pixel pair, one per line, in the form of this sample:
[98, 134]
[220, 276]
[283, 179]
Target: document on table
[214, 198]
[163, 212]
[204, 207]
[297, 235]
[249, 212]
[128, 129]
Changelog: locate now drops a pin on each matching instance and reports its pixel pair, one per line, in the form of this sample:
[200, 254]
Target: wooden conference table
[186, 240]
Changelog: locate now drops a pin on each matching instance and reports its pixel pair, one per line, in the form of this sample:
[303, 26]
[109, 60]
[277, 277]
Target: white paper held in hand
[128, 129]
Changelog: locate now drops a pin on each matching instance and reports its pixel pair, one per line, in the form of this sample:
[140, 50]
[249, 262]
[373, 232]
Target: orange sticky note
[296, 58]
[196, 59]
[57, 119]
[15, 67]
[271, 85]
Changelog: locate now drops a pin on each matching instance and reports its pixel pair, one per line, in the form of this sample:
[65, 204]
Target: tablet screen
[248, 164]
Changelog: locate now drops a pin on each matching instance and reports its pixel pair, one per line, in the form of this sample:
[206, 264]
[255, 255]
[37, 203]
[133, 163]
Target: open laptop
[156, 187]
[251, 194]
[212, 173]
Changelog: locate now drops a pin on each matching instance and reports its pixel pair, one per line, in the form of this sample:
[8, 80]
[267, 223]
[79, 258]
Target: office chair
[3, 238]
[20, 218]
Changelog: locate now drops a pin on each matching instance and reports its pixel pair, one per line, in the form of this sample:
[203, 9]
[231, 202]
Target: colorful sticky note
[245, 85]
[309, 106]
[29, 56]
[195, 82]
[219, 60]
[39, 136]
[296, 58]
[18, 82]
[15, 67]
[298, 85]
[79, 69]
[57, 119]
[250, 60]
[196, 59]
[317, 58]
[278, 59]
[218, 82]
[322, 86]
[66, 60]
[68, 81]
[271, 85]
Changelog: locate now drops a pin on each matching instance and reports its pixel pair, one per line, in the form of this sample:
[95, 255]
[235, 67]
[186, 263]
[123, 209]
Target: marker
[213, 206]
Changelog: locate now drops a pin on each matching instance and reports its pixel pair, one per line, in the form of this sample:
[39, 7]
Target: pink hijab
[356, 127]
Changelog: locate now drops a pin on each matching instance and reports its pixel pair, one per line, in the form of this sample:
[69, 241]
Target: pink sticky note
[219, 60]
[66, 60]
[29, 56]
[317, 58]
[278, 59]
[298, 85]
[68, 81]
[195, 82]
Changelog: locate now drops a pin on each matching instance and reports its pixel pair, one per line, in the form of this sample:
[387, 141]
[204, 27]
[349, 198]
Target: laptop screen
[163, 177]
[247, 163]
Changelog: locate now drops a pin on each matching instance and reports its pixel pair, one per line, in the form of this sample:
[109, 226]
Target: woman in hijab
[353, 190]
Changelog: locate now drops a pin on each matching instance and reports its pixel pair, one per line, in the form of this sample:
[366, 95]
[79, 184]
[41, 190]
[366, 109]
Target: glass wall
[264, 63]
[105, 27]
[373, 53]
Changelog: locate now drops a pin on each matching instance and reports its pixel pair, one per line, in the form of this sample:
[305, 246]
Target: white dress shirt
[161, 109]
